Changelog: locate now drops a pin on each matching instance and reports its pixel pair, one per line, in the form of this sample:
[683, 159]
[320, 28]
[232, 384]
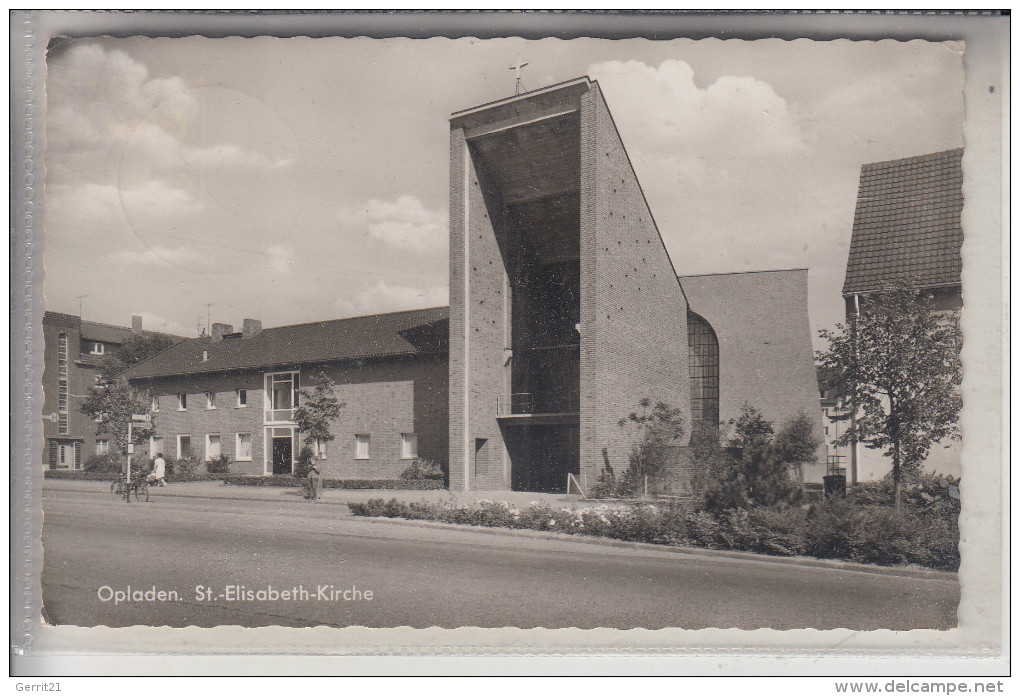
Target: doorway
[283, 452]
[541, 456]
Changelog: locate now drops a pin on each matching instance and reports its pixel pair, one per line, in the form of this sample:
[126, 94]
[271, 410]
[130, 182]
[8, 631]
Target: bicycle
[121, 488]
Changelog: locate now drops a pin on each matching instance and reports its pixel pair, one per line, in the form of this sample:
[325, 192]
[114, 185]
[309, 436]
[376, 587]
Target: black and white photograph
[504, 333]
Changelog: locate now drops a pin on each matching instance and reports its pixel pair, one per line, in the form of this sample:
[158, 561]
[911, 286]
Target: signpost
[143, 418]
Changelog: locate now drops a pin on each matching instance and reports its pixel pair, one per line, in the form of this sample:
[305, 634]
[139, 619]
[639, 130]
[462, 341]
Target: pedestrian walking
[159, 470]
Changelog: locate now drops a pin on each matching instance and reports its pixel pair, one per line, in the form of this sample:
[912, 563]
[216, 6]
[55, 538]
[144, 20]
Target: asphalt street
[205, 556]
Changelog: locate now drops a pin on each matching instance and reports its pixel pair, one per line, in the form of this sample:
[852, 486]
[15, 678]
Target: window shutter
[53, 454]
[77, 455]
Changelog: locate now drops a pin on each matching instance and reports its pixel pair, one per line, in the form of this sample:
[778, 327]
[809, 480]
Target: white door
[65, 456]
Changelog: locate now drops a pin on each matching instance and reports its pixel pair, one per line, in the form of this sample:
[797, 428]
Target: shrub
[421, 469]
[104, 464]
[834, 529]
[181, 469]
[761, 474]
[219, 465]
[350, 484]
[305, 459]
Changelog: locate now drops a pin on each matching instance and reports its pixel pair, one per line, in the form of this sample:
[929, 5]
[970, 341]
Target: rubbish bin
[835, 485]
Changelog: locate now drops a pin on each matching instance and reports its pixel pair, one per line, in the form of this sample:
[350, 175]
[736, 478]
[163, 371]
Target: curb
[212, 496]
[802, 561]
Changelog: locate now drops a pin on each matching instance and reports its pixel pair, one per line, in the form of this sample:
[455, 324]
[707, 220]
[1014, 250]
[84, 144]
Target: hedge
[349, 484]
[113, 475]
[837, 530]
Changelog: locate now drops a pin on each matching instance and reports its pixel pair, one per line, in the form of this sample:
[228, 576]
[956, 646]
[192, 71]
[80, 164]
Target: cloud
[664, 108]
[403, 223]
[383, 297]
[106, 111]
[282, 261]
[227, 155]
[146, 203]
[158, 256]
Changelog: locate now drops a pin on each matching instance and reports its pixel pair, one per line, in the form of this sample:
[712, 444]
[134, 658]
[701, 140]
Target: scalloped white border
[973, 648]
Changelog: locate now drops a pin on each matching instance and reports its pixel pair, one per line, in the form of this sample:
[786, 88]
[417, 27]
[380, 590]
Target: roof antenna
[80, 298]
[517, 71]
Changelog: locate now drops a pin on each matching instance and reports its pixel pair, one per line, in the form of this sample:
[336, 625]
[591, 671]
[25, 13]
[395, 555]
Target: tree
[661, 427]
[318, 410]
[133, 350]
[112, 404]
[761, 474]
[897, 366]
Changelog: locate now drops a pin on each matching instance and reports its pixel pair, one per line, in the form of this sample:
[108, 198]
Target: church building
[565, 312]
[566, 309]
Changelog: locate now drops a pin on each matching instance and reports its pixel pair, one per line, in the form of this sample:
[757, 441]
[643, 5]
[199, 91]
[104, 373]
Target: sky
[294, 180]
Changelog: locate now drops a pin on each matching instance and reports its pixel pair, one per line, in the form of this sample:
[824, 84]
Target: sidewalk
[217, 490]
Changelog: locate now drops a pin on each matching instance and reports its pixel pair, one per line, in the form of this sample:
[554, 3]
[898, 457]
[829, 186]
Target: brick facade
[633, 312]
[76, 432]
[384, 399]
[632, 318]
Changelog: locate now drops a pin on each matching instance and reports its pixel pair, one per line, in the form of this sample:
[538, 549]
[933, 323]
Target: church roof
[907, 223]
[408, 333]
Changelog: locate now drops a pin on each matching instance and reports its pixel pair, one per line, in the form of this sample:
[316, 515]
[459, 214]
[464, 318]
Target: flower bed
[349, 484]
[834, 530]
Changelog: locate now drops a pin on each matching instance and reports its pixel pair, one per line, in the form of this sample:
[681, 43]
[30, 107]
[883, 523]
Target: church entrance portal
[541, 456]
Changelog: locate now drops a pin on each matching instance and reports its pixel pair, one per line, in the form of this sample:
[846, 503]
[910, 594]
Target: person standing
[314, 477]
[159, 470]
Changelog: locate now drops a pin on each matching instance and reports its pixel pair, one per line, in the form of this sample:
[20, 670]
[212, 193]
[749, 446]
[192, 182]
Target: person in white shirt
[159, 470]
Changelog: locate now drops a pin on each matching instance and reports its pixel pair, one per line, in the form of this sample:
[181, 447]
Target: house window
[703, 348]
[212, 446]
[183, 446]
[319, 449]
[282, 396]
[242, 398]
[408, 445]
[155, 404]
[205, 356]
[210, 400]
[62, 385]
[98, 348]
[155, 446]
[361, 443]
[182, 402]
[102, 446]
[243, 450]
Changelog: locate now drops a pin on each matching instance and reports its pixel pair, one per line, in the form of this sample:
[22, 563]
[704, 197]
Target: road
[423, 576]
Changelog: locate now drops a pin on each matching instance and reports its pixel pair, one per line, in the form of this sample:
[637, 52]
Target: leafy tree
[112, 404]
[318, 410]
[897, 366]
[796, 443]
[661, 427]
[133, 350]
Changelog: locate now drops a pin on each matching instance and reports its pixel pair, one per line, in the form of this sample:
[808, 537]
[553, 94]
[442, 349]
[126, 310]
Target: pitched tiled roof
[414, 332]
[907, 223]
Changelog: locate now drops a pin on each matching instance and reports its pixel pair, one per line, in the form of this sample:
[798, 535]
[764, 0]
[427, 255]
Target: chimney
[219, 330]
[251, 327]
[136, 324]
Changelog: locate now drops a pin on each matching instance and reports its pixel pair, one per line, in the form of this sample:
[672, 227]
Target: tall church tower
[565, 309]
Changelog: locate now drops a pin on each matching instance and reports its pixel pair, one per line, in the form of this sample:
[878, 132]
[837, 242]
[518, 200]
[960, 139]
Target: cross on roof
[517, 68]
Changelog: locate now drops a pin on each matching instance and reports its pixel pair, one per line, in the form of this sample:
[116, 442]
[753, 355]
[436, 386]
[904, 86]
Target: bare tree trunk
[894, 431]
[896, 475]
